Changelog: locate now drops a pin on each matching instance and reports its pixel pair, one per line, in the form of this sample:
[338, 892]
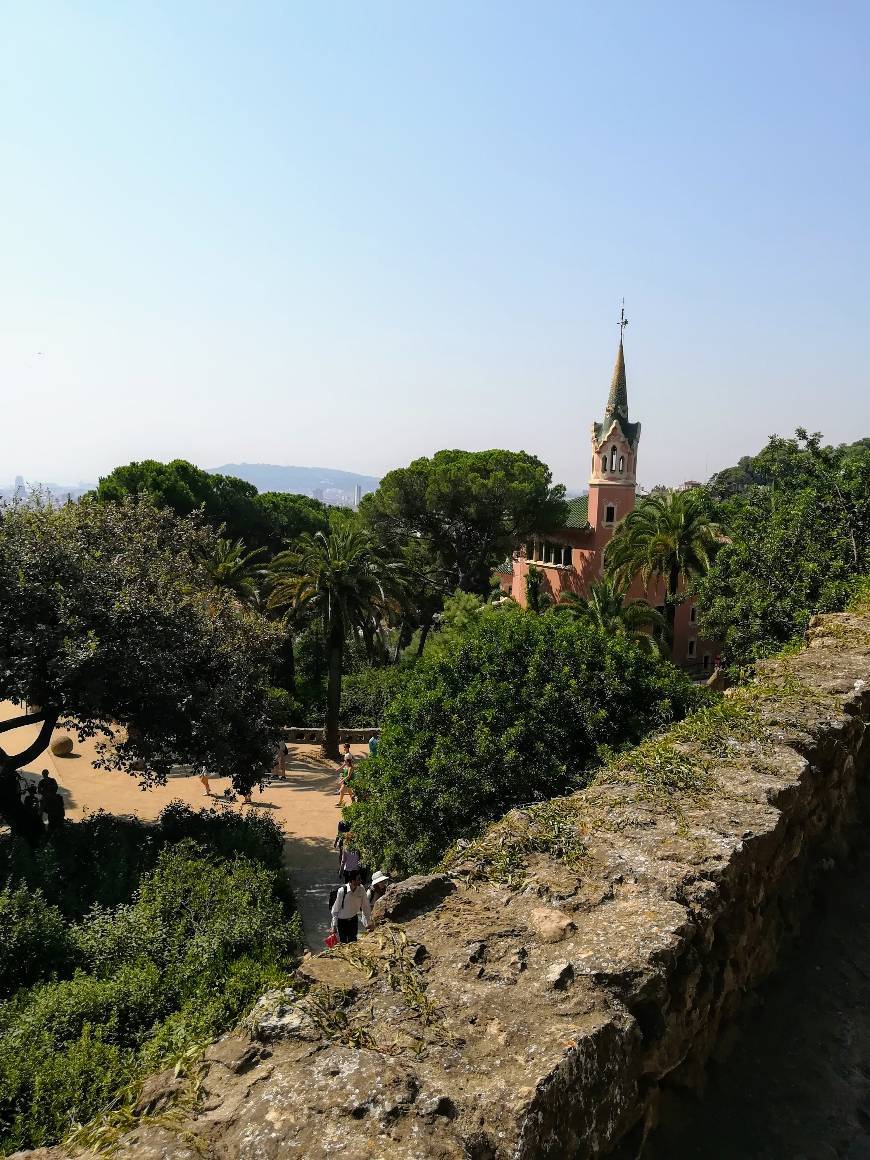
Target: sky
[351, 234]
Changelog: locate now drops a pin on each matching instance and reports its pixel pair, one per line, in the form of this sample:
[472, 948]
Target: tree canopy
[107, 615]
[179, 485]
[796, 545]
[289, 516]
[470, 507]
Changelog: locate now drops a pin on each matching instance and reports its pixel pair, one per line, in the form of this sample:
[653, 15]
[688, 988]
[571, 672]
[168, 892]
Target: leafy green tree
[345, 581]
[607, 608]
[796, 546]
[227, 503]
[470, 508]
[779, 457]
[513, 710]
[289, 516]
[668, 538]
[107, 617]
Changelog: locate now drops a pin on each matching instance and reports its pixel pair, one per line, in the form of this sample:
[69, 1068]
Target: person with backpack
[350, 900]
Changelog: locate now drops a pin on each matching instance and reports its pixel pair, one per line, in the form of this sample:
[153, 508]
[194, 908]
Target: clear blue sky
[349, 234]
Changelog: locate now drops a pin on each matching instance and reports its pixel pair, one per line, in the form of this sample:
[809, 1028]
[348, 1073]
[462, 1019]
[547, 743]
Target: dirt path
[304, 805]
[795, 1084]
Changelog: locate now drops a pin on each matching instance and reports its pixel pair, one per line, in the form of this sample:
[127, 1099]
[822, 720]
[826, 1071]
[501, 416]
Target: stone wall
[574, 964]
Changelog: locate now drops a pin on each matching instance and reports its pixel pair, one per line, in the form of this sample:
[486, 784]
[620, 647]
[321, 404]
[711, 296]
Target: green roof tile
[578, 512]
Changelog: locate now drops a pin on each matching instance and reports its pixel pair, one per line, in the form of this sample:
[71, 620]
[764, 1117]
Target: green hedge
[515, 710]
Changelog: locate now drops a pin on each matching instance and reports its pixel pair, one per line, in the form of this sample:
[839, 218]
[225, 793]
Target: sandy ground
[304, 805]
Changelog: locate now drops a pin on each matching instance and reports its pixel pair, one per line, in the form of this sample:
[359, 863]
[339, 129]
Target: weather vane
[623, 321]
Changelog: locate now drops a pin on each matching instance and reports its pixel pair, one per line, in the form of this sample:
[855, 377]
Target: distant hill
[326, 482]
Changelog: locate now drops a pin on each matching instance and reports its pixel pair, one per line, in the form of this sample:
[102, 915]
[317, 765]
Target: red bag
[331, 940]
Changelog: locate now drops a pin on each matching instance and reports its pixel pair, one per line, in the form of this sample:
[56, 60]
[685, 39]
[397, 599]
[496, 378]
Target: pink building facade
[572, 558]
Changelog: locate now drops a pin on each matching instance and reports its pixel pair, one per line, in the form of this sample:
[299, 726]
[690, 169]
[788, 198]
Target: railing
[314, 735]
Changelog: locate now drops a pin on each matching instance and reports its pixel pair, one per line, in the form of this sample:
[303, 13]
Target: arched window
[603, 462]
[613, 459]
[621, 464]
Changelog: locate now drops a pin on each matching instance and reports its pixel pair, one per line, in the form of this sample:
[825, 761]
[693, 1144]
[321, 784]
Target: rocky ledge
[537, 999]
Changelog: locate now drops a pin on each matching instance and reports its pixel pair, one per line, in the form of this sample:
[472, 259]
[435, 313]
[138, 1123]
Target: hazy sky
[349, 234]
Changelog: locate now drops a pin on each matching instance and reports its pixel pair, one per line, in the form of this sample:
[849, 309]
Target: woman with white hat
[380, 882]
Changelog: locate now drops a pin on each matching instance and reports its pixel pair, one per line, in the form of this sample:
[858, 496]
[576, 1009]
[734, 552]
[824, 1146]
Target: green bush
[207, 929]
[514, 710]
[35, 940]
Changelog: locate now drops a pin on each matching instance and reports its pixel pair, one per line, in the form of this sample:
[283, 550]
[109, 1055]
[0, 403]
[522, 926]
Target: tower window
[693, 614]
[613, 459]
[691, 650]
[603, 462]
[621, 464]
[610, 514]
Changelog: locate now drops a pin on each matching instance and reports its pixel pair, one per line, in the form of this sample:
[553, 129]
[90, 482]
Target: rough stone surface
[61, 745]
[158, 1092]
[412, 896]
[678, 914]
[551, 925]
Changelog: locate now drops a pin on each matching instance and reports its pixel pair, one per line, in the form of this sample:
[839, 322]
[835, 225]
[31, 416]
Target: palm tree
[342, 578]
[231, 566]
[668, 538]
[605, 607]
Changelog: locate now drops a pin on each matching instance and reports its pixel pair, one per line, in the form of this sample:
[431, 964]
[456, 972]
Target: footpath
[303, 805]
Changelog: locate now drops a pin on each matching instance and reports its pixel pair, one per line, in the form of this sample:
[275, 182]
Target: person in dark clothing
[46, 785]
[54, 810]
[31, 803]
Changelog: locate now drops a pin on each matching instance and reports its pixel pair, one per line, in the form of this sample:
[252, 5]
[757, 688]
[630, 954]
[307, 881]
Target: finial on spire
[623, 321]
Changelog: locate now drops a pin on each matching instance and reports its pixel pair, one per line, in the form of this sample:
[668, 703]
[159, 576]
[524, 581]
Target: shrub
[515, 710]
[366, 694]
[206, 930]
[35, 940]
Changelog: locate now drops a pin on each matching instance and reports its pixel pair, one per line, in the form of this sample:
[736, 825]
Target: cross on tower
[623, 321]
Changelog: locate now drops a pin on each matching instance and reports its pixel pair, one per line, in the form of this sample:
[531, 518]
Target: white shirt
[348, 903]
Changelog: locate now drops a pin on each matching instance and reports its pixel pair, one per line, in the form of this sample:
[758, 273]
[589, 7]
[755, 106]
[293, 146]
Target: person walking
[203, 777]
[373, 746]
[350, 862]
[45, 785]
[350, 901]
[378, 888]
[345, 774]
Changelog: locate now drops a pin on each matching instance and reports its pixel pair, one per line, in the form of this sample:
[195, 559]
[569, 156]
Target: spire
[617, 404]
[616, 410]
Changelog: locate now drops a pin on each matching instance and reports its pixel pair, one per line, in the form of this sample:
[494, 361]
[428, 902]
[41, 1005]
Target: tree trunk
[11, 809]
[425, 629]
[287, 665]
[671, 605]
[48, 717]
[333, 692]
